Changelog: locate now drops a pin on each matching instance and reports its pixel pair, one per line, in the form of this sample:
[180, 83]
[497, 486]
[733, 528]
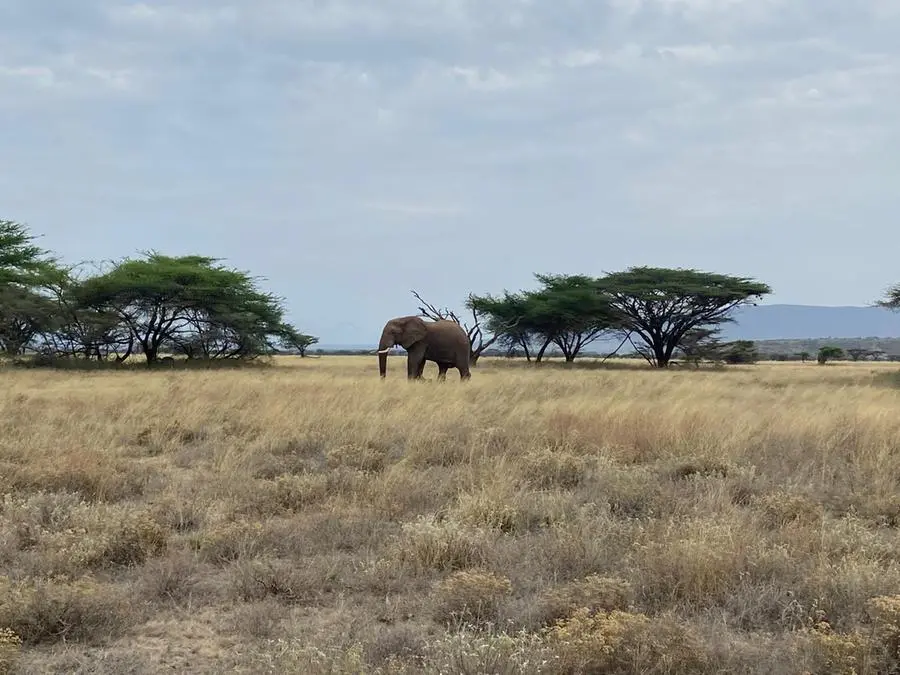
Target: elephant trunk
[384, 346]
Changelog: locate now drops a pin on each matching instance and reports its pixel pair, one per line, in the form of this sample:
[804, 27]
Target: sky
[348, 152]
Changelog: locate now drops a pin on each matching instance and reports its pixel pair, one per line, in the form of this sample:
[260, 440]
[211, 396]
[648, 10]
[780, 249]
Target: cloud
[301, 137]
[38, 76]
[700, 54]
[415, 209]
[174, 17]
[491, 79]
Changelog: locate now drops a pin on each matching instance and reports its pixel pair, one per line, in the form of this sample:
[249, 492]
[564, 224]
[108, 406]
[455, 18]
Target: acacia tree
[700, 343]
[25, 314]
[188, 303]
[569, 313]
[26, 270]
[827, 353]
[740, 352]
[661, 305]
[566, 311]
[509, 318]
[83, 331]
[242, 325]
[21, 261]
[890, 299]
[291, 338]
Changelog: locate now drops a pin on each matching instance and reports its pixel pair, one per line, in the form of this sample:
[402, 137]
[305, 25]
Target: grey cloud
[685, 132]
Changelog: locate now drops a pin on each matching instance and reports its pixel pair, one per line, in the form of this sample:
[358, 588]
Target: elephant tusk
[383, 351]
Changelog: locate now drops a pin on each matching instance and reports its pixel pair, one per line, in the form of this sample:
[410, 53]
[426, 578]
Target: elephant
[443, 342]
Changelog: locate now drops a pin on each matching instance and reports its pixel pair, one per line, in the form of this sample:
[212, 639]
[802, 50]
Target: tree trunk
[659, 353]
[540, 354]
[151, 353]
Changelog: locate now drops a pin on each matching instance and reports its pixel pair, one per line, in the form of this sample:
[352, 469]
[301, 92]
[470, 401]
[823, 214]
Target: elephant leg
[415, 363]
[464, 373]
[442, 371]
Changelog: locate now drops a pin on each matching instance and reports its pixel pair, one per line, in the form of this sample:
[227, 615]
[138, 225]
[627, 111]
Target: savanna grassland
[310, 518]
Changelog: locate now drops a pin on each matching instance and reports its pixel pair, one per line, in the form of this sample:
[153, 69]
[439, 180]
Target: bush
[471, 596]
[623, 642]
[53, 609]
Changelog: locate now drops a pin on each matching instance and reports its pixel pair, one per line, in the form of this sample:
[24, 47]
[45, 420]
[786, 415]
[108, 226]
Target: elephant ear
[413, 331]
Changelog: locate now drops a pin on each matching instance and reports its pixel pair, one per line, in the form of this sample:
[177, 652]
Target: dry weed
[593, 592]
[428, 545]
[625, 642]
[60, 609]
[10, 648]
[471, 596]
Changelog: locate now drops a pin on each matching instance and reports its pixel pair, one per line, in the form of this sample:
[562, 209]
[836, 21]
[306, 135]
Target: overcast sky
[349, 151]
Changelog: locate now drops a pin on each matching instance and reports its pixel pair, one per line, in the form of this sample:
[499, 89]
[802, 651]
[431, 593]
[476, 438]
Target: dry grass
[310, 518]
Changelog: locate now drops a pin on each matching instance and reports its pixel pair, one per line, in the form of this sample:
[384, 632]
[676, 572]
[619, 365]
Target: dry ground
[310, 518]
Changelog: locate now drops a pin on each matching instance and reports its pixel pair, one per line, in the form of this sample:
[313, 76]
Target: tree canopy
[570, 313]
[21, 261]
[890, 299]
[189, 304]
[662, 305]
[291, 338]
[566, 311]
[185, 305]
[508, 318]
[662, 308]
[26, 272]
[25, 313]
[197, 307]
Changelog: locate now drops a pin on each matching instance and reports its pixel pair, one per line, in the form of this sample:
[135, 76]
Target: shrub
[430, 545]
[593, 592]
[10, 647]
[59, 609]
[471, 596]
[623, 642]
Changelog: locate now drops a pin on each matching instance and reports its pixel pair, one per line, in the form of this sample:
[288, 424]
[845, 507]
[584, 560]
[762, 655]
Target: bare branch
[429, 311]
[477, 341]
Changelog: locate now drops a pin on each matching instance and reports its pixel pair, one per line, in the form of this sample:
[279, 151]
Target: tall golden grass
[309, 517]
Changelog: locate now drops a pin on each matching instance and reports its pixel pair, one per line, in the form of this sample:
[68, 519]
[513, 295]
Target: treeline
[194, 307]
[661, 312]
[189, 306]
[851, 349]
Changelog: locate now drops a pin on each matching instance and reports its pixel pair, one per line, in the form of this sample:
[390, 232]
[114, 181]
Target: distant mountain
[795, 322]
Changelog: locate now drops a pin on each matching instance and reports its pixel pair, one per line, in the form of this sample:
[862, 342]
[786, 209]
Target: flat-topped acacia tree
[189, 303]
[569, 313]
[566, 311]
[661, 305]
